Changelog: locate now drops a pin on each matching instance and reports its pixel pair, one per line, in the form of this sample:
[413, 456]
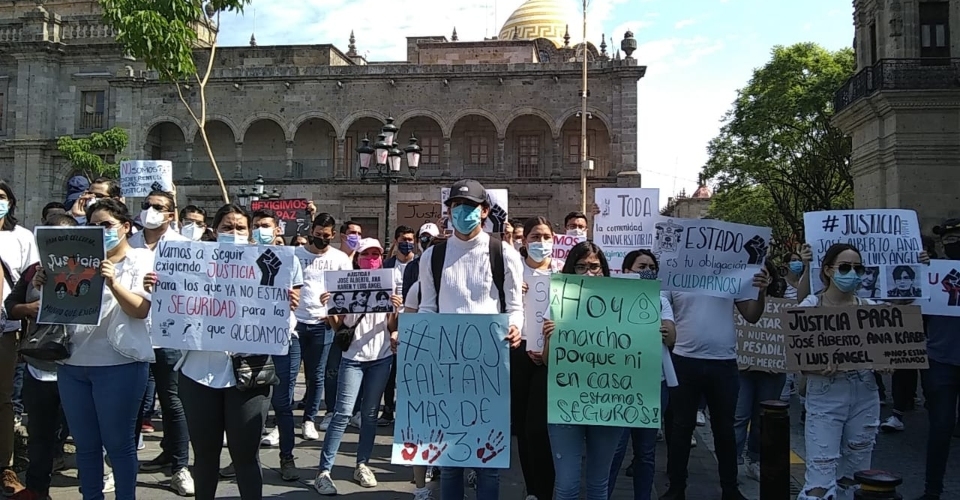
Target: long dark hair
[830, 258]
[117, 209]
[632, 257]
[581, 251]
[778, 286]
[528, 226]
[227, 209]
[9, 221]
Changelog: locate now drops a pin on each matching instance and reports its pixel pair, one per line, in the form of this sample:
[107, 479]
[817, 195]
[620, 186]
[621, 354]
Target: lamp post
[388, 162]
[256, 192]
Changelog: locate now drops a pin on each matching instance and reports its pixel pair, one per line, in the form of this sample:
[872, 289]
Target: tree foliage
[777, 152]
[164, 34]
[92, 155]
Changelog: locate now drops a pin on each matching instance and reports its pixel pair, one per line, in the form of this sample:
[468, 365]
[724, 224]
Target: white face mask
[192, 231]
[90, 203]
[577, 232]
[517, 245]
[234, 238]
[151, 218]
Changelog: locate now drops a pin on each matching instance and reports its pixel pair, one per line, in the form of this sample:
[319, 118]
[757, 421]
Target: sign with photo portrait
[359, 291]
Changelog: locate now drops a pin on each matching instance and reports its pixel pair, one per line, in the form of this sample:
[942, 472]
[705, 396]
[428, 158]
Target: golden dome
[542, 19]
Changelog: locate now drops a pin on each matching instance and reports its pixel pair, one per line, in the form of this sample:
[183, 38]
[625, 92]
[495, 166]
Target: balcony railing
[899, 74]
[91, 121]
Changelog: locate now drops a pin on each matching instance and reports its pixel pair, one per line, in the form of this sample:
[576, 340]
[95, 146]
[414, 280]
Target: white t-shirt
[413, 297]
[704, 326]
[371, 339]
[102, 345]
[790, 292]
[18, 250]
[137, 240]
[311, 311]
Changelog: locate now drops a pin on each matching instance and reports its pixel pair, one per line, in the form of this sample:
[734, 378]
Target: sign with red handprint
[942, 282]
[453, 391]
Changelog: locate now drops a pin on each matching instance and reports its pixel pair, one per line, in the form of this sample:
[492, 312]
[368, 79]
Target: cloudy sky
[697, 52]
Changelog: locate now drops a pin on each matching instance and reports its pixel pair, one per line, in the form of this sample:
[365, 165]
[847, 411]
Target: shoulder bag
[255, 371]
[344, 335]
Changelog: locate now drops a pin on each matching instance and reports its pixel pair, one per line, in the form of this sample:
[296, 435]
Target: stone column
[446, 157]
[499, 161]
[557, 155]
[238, 153]
[340, 165]
[189, 171]
[289, 173]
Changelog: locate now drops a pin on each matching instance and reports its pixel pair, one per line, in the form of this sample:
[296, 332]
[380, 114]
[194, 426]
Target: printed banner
[71, 257]
[605, 356]
[453, 391]
[499, 206]
[855, 338]
[416, 214]
[562, 243]
[762, 346]
[942, 279]
[536, 306]
[138, 178]
[625, 222]
[294, 219]
[222, 297]
[710, 257]
[889, 244]
[359, 291]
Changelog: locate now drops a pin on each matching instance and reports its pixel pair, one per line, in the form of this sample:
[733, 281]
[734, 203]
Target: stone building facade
[902, 107]
[504, 111]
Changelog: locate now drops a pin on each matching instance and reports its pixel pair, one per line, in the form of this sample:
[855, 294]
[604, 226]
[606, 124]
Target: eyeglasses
[156, 206]
[584, 268]
[97, 195]
[846, 267]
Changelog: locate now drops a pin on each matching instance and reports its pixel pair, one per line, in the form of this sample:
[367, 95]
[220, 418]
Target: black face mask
[318, 242]
[952, 250]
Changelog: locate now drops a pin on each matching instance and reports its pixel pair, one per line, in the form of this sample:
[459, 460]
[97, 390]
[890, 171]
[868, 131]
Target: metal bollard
[774, 450]
[877, 485]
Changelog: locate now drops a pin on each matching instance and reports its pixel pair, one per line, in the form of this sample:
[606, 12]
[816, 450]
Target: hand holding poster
[762, 346]
[536, 305]
[855, 338]
[71, 257]
[889, 244]
[604, 365]
[625, 222]
[294, 218]
[359, 291]
[495, 223]
[138, 178]
[710, 257]
[222, 297]
[453, 391]
[942, 279]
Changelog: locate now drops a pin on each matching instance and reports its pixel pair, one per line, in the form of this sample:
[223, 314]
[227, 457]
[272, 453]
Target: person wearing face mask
[193, 222]
[350, 235]
[313, 332]
[472, 273]
[798, 280]
[425, 237]
[103, 381]
[516, 236]
[575, 223]
[404, 243]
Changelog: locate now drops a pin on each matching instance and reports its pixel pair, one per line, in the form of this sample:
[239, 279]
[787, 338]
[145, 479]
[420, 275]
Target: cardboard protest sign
[138, 178]
[294, 219]
[499, 207]
[762, 346]
[942, 279]
[71, 257]
[562, 244]
[416, 214]
[855, 338]
[222, 297]
[359, 291]
[889, 244]
[604, 365]
[710, 257]
[453, 391]
[625, 222]
[536, 306]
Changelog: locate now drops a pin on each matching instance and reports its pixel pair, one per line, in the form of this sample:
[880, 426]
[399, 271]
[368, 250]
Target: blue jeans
[451, 483]
[102, 404]
[755, 387]
[566, 442]
[942, 390]
[149, 398]
[644, 455]
[287, 368]
[315, 341]
[372, 376]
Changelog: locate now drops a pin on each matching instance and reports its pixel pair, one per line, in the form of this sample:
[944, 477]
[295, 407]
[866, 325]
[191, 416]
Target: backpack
[496, 263]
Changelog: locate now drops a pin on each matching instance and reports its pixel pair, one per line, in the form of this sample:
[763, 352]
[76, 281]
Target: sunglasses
[583, 268]
[845, 268]
[155, 206]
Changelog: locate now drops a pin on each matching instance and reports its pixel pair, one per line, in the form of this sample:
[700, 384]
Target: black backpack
[496, 263]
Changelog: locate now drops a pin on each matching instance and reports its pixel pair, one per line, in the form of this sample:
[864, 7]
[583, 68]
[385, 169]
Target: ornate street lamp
[243, 197]
[258, 186]
[389, 132]
[413, 151]
[366, 153]
[388, 157]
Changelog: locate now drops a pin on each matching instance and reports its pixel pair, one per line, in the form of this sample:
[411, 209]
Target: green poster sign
[605, 352]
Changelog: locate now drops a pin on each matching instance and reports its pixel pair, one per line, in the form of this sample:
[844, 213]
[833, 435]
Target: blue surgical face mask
[465, 218]
[234, 238]
[264, 235]
[796, 267]
[405, 247]
[540, 250]
[647, 274]
[4, 208]
[111, 238]
[846, 283]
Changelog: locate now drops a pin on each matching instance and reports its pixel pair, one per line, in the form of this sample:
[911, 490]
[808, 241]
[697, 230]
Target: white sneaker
[140, 444]
[109, 486]
[892, 424]
[693, 441]
[753, 471]
[363, 475]
[701, 418]
[430, 473]
[182, 483]
[271, 439]
[325, 423]
[324, 485]
[422, 494]
[224, 439]
[355, 421]
[310, 432]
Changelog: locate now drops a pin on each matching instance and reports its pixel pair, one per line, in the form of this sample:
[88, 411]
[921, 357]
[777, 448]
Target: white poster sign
[499, 207]
[359, 291]
[536, 307]
[625, 222]
[138, 178]
[942, 281]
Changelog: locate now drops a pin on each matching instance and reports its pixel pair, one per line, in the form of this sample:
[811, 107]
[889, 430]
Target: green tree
[164, 35]
[95, 155]
[777, 152]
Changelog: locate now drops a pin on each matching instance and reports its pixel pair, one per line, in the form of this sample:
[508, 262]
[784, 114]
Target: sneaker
[271, 439]
[355, 420]
[161, 462]
[385, 420]
[325, 423]
[673, 494]
[59, 463]
[10, 481]
[140, 444]
[892, 424]
[109, 486]
[701, 418]
[228, 471]
[431, 471]
[363, 475]
[224, 439]
[288, 469]
[422, 494]
[182, 483]
[324, 485]
[693, 441]
[17, 421]
[310, 432]
[753, 471]
[147, 428]
[531, 497]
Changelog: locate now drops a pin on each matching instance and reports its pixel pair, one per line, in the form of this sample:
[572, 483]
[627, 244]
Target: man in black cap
[464, 266]
[943, 378]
